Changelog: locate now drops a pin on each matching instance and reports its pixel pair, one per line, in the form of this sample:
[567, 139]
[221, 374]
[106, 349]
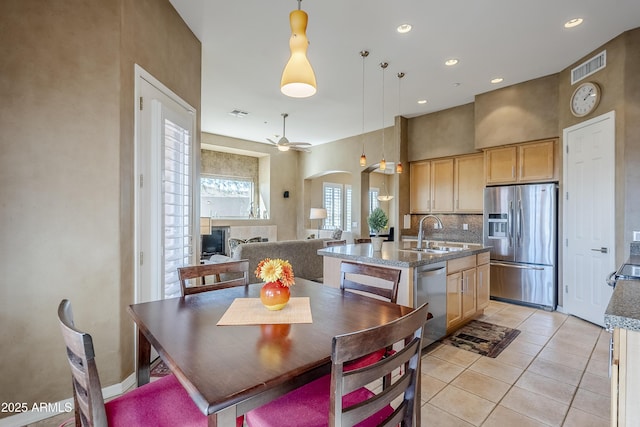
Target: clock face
[585, 99]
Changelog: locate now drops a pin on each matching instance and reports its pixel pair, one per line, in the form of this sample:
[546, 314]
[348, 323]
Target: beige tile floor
[555, 373]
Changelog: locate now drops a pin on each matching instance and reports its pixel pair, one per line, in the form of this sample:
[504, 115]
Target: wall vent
[238, 113]
[589, 67]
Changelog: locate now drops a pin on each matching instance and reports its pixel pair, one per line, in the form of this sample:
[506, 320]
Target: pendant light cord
[383, 65]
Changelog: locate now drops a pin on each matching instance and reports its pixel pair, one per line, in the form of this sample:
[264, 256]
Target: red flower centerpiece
[278, 274]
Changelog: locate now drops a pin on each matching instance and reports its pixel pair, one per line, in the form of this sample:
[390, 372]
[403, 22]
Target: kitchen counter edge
[393, 254]
[623, 310]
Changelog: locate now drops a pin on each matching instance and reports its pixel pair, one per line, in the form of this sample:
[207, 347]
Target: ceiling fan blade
[300, 144]
[272, 141]
[303, 149]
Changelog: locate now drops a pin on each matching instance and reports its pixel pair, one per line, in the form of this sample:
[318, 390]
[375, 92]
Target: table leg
[224, 418]
[144, 359]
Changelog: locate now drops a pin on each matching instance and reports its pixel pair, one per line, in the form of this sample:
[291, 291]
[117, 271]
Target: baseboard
[47, 410]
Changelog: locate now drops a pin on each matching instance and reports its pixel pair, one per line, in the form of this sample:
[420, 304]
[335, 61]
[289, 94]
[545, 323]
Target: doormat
[160, 370]
[482, 338]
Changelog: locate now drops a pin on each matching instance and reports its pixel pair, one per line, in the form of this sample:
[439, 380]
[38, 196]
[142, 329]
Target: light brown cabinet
[431, 184]
[483, 281]
[462, 277]
[420, 187]
[625, 371]
[469, 183]
[453, 184]
[442, 185]
[528, 162]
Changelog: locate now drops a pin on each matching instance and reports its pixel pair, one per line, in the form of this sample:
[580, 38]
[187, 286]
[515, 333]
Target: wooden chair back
[335, 243]
[365, 240]
[348, 270]
[87, 391]
[405, 335]
[215, 269]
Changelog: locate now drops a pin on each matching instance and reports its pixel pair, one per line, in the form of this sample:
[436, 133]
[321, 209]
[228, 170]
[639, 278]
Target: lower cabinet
[467, 289]
[625, 371]
[483, 289]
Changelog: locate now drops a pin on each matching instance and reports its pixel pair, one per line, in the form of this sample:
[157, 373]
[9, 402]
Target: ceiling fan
[283, 143]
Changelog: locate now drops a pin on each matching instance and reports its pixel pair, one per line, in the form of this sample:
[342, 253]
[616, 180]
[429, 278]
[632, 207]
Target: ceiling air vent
[238, 113]
[589, 67]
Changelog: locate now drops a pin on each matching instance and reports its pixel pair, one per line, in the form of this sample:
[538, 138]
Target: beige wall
[444, 133]
[518, 113]
[66, 120]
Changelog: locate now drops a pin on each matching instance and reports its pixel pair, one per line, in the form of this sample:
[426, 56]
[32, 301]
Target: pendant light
[386, 196]
[298, 79]
[363, 157]
[399, 167]
[383, 162]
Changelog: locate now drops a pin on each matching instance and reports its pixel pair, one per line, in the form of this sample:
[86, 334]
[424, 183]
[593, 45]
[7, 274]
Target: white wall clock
[585, 99]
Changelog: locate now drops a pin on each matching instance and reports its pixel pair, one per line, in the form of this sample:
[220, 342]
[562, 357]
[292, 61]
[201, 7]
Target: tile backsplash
[453, 229]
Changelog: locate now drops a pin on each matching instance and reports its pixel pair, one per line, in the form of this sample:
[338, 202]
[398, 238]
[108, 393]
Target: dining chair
[362, 240]
[352, 275]
[330, 243]
[215, 269]
[342, 398]
[161, 403]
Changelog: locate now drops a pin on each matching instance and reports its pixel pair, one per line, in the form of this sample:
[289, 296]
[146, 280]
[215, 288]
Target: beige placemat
[250, 311]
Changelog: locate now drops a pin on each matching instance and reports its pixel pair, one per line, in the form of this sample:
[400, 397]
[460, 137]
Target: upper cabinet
[447, 185]
[420, 186]
[529, 162]
[469, 183]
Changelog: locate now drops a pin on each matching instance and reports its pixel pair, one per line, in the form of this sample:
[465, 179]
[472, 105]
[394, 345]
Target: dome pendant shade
[298, 79]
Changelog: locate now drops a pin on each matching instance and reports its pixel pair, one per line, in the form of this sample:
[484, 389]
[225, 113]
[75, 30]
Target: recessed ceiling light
[404, 28]
[573, 22]
[497, 80]
[450, 62]
[422, 101]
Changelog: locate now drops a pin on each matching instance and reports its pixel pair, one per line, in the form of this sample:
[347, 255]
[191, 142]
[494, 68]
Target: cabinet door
[454, 299]
[482, 289]
[469, 183]
[500, 165]
[535, 161]
[420, 187]
[442, 185]
[468, 293]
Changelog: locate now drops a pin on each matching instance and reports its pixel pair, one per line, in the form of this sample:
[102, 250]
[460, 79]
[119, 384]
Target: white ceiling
[245, 45]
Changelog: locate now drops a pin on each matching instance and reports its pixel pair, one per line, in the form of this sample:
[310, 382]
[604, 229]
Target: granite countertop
[397, 254]
[623, 310]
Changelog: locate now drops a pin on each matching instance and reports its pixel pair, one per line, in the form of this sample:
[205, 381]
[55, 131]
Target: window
[332, 195]
[337, 202]
[373, 199]
[226, 197]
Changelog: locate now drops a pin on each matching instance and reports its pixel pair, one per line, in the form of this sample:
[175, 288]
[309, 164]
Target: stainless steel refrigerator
[520, 226]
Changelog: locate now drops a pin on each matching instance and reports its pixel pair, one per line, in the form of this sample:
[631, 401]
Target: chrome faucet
[421, 230]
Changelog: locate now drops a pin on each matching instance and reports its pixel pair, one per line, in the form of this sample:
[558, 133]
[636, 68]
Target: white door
[164, 191]
[589, 216]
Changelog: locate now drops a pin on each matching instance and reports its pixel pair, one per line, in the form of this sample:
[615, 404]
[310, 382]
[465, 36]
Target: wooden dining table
[229, 370]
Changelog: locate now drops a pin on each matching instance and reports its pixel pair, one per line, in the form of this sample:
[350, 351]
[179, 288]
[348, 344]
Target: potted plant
[377, 221]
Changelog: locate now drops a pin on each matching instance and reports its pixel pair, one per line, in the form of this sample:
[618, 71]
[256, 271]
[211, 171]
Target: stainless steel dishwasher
[430, 285]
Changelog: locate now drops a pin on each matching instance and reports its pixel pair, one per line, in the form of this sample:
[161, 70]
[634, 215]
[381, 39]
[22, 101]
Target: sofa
[302, 254]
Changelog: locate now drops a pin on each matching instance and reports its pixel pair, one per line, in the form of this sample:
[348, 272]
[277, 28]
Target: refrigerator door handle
[509, 226]
[520, 214]
[520, 266]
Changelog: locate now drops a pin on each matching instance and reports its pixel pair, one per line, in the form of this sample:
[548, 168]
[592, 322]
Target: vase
[376, 242]
[274, 295]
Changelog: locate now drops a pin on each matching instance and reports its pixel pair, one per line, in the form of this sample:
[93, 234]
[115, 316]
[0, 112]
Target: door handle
[601, 250]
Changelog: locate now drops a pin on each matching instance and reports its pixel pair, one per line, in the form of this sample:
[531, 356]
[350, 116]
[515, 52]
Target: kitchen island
[622, 317]
[452, 277]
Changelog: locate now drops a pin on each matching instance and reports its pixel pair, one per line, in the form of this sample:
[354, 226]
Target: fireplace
[216, 243]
